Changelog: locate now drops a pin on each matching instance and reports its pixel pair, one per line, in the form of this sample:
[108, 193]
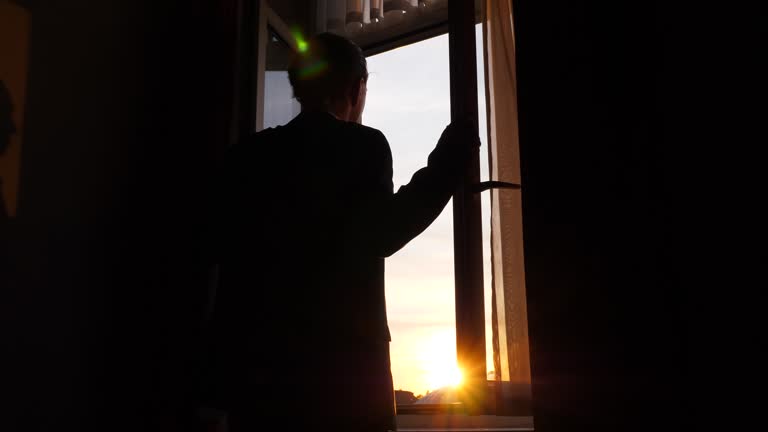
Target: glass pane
[409, 101]
[279, 105]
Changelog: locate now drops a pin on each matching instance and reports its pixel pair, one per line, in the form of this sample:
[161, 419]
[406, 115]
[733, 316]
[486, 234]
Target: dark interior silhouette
[7, 125]
[130, 105]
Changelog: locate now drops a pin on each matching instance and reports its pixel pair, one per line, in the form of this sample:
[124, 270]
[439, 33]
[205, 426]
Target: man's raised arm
[385, 222]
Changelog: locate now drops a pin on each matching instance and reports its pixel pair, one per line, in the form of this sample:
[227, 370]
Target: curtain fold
[509, 314]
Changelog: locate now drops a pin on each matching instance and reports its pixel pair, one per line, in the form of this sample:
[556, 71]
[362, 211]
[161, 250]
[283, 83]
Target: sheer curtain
[509, 316]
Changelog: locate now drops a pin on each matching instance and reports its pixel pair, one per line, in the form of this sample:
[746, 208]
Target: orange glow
[437, 361]
[445, 375]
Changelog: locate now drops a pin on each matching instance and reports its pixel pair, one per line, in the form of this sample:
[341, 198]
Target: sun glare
[438, 361]
[444, 375]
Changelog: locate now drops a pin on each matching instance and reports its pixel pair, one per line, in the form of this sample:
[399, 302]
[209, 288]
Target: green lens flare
[313, 69]
[301, 43]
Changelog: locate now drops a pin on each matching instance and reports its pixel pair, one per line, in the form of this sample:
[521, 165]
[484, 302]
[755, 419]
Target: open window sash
[510, 391]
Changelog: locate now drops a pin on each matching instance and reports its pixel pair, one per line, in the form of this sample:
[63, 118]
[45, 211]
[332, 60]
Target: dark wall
[104, 289]
[606, 348]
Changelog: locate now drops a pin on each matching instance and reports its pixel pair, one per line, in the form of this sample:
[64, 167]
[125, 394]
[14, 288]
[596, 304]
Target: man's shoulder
[358, 139]
[354, 136]
[255, 141]
[262, 135]
[344, 127]
[368, 138]
[364, 130]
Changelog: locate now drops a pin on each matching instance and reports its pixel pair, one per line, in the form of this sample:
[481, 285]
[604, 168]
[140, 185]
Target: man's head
[331, 75]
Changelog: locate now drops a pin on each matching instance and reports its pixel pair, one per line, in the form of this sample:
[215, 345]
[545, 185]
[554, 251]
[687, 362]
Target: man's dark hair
[325, 69]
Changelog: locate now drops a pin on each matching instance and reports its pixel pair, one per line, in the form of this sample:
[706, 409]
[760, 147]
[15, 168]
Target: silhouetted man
[306, 215]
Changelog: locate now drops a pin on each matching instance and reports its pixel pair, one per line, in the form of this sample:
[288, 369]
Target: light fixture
[354, 11]
[395, 10]
[377, 10]
[354, 17]
[399, 7]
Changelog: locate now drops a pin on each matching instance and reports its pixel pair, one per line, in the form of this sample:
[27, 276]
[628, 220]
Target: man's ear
[355, 92]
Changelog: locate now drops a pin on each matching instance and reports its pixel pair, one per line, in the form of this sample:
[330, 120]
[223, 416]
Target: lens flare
[301, 42]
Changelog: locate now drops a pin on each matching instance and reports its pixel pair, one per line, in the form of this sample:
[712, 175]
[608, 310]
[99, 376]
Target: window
[412, 109]
[409, 99]
[411, 106]
[279, 105]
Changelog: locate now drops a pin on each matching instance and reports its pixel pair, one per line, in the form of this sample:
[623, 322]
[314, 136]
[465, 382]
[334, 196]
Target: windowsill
[430, 409]
[463, 423]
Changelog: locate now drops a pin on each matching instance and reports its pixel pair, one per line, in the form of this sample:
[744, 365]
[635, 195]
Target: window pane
[279, 105]
[409, 101]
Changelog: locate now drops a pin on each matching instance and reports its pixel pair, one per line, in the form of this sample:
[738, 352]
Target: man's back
[289, 196]
[305, 217]
[300, 305]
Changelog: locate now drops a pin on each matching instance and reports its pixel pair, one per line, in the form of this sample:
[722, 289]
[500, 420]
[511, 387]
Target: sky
[409, 101]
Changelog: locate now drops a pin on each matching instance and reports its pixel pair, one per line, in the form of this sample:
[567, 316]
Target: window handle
[484, 186]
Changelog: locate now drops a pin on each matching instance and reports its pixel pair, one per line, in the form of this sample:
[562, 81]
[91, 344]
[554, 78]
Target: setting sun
[437, 360]
[442, 375]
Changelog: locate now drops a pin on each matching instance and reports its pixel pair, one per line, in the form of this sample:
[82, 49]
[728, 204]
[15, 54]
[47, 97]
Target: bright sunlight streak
[437, 360]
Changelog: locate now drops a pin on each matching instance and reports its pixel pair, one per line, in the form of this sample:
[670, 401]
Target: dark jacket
[304, 216]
